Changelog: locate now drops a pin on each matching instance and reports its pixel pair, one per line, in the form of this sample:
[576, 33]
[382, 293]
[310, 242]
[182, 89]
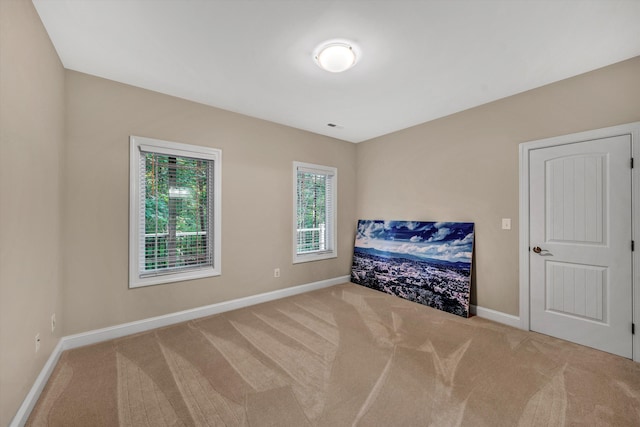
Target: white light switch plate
[506, 223]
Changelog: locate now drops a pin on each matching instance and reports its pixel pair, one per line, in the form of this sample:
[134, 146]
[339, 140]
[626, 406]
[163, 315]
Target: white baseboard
[104, 334]
[32, 397]
[99, 335]
[496, 316]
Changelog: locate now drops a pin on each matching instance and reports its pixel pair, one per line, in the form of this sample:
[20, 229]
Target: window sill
[298, 259]
[137, 282]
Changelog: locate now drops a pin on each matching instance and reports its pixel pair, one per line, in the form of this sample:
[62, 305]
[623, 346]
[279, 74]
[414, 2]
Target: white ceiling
[420, 60]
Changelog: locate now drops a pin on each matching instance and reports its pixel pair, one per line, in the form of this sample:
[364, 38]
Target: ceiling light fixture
[335, 57]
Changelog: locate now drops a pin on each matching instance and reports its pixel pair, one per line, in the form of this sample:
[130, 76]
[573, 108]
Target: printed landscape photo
[425, 262]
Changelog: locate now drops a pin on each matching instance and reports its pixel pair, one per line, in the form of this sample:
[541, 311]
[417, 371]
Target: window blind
[176, 232]
[314, 210]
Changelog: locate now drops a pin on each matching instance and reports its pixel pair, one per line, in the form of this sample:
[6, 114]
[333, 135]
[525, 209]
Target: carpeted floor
[340, 356]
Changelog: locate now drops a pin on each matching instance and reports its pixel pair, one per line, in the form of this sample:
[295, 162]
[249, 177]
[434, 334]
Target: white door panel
[580, 219]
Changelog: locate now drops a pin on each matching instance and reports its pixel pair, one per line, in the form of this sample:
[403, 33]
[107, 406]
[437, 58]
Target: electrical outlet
[53, 322]
[276, 272]
[37, 342]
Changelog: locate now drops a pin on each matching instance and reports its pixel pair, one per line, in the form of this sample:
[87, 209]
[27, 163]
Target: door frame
[632, 129]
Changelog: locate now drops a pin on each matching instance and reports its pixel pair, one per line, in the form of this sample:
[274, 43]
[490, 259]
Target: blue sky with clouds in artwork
[447, 241]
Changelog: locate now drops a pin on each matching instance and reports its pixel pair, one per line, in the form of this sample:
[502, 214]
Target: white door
[580, 235]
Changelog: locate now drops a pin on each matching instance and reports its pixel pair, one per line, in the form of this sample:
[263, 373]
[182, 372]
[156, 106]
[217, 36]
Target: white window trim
[138, 144]
[330, 253]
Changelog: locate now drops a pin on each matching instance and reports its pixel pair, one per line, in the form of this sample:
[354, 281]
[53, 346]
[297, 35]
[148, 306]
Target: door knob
[537, 249]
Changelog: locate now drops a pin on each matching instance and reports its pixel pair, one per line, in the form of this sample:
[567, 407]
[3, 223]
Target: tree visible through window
[312, 212]
[175, 212]
[315, 188]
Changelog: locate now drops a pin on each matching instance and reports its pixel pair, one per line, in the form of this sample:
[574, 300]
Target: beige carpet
[341, 356]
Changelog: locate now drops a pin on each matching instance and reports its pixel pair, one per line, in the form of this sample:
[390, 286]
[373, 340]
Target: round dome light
[336, 57]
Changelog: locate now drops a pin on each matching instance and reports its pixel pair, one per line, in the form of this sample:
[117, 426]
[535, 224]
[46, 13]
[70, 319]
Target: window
[315, 198]
[174, 218]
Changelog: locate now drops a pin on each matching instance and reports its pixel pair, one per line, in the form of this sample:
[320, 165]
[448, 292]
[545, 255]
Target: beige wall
[31, 139]
[257, 199]
[464, 167]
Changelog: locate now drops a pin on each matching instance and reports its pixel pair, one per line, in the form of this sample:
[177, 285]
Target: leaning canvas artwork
[425, 262]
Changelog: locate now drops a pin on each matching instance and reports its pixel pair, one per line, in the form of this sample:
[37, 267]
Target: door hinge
[633, 329]
[633, 246]
[632, 163]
